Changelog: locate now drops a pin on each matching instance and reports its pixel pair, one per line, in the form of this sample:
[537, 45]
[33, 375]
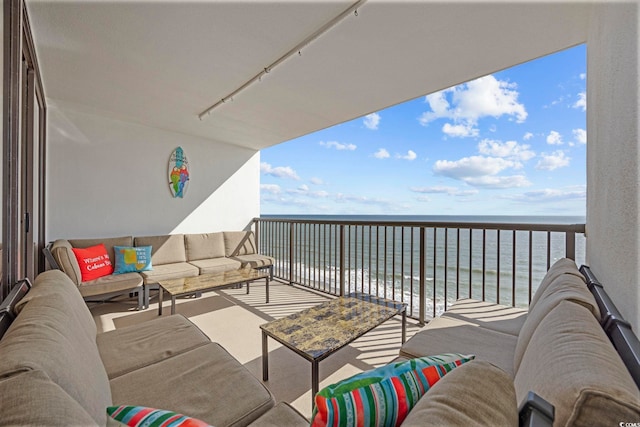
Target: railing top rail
[575, 228]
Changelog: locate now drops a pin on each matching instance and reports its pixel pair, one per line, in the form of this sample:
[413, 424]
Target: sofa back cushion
[62, 252]
[204, 246]
[108, 242]
[239, 243]
[55, 333]
[565, 287]
[30, 398]
[167, 249]
[559, 268]
[474, 394]
[571, 363]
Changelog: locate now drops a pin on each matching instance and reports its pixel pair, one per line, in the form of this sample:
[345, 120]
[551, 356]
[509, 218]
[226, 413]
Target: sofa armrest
[62, 255]
[535, 412]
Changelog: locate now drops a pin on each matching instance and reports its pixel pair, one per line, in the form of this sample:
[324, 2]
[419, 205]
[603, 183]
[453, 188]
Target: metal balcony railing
[428, 265]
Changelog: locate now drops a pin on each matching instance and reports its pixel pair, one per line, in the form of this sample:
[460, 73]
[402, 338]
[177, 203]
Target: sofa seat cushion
[55, 333]
[167, 249]
[445, 335]
[204, 246]
[216, 265]
[497, 317]
[133, 347]
[206, 383]
[114, 283]
[254, 260]
[571, 363]
[281, 415]
[30, 398]
[474, 394]
[169, 271]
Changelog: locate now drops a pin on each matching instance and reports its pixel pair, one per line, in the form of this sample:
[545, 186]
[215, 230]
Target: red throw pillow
[94, 262]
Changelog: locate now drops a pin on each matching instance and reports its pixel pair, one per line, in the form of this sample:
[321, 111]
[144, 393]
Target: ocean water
[385, 260]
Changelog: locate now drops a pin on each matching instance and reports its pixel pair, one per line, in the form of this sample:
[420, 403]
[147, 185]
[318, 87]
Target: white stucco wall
[613, 155]
[107, 177]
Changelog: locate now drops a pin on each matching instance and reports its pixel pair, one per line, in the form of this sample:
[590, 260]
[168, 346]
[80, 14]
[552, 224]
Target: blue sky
[510, 143]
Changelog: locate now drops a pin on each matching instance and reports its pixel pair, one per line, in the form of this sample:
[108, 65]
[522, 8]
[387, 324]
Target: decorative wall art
[178, 173]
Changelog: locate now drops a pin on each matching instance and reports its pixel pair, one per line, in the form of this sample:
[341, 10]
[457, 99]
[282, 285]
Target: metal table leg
[314, 380]
[267, 289]
[265, 357]
[173, 304]
[160, 297]
[404, 325]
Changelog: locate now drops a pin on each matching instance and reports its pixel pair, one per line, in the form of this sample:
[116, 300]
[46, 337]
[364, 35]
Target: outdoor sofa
[56, 370]
[560, 348]
[173, 256]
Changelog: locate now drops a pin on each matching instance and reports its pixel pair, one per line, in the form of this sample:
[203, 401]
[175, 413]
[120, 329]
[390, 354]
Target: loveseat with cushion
[173, 256]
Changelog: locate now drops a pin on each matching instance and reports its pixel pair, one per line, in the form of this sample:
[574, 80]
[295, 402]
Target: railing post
[423, 267]
[256, 222]
[570, 244]
[342, 278]
[291, 240]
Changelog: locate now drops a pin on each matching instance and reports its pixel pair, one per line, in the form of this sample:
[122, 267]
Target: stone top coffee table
[209, 282]
[320, 331]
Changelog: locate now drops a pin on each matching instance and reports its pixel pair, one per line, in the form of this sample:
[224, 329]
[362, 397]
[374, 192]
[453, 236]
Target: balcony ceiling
[161, 63]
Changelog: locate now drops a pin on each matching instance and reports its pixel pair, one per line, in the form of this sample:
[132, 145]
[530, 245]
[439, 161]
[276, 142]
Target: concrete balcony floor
[232, 318]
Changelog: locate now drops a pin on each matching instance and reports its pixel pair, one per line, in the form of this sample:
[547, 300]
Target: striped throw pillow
[382, 396]
[138, 416]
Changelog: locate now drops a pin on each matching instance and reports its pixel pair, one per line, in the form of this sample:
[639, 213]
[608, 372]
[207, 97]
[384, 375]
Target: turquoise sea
[477, 263]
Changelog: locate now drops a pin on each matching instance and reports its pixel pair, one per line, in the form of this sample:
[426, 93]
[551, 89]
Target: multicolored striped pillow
[138, 416]
[382, 396]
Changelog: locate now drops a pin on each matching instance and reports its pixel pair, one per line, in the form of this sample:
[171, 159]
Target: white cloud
[423, 199]
[381, 154]
[466, 193]
[338, 146]
[460, 131]
[581, 102]
[473, 166]
[527, 136]
[270, 188]
[278, 172]
[434, 190]
[488, 181]
[483, 97]
[509, 149]
[303, 190]
[583, 76]
[316, 181]
[553, 161]
[481, 171]
[411, 155]
[371, 121]
[580, 135]
[363, 200]
[451, 191]
[554, 138]
[550, 195]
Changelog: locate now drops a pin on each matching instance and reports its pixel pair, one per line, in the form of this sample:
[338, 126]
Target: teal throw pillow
[132, 259]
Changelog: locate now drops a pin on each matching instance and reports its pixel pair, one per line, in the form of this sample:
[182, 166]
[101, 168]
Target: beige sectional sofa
[55, 369]
[557, 349]
[172, 256]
